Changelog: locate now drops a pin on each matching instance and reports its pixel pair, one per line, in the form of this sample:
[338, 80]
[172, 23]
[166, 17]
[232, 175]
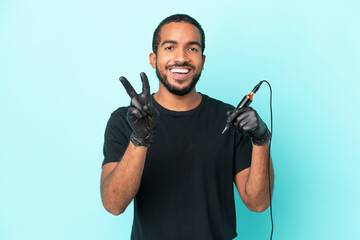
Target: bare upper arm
[240, 183]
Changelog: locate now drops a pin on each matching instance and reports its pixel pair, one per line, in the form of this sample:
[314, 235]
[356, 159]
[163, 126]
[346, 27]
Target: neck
[178, 103]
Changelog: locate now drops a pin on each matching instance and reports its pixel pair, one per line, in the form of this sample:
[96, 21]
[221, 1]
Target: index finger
[235, 114]
[129, 89]
[145, 81]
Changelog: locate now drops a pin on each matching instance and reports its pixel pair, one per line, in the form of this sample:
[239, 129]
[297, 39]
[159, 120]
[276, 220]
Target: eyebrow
[175, 42]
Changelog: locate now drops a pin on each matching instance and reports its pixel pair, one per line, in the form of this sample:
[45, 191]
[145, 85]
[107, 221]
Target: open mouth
[180, 72]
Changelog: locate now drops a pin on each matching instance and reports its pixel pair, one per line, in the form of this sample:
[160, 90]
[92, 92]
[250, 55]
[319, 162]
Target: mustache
[184, 64]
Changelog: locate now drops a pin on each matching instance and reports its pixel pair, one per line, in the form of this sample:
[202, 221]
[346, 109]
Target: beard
[173, 89]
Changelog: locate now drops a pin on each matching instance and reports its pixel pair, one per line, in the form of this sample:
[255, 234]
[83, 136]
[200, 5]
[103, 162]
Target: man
[166, 151]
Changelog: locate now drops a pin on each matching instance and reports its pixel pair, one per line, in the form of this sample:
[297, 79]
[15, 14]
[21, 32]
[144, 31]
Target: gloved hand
[247, 121]
[142, 115]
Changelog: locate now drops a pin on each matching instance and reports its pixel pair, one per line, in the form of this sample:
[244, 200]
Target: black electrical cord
[271, 117]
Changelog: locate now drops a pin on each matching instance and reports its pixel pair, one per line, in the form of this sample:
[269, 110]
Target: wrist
[141, 141]
[262, 139]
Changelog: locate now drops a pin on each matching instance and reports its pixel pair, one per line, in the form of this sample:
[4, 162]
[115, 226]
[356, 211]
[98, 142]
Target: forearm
[257, 184]
[120, 186]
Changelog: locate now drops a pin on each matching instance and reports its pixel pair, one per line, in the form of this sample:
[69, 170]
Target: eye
[169, 48]
[193, 49]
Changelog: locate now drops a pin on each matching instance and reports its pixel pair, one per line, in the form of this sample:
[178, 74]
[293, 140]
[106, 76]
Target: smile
[180, 72]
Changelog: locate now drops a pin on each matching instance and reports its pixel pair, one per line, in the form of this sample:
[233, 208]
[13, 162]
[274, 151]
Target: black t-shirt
[186, 190]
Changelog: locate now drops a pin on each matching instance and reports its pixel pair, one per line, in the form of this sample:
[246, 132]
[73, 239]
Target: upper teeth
[180, 70]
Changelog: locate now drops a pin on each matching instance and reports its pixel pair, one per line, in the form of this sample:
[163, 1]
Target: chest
[189, 147]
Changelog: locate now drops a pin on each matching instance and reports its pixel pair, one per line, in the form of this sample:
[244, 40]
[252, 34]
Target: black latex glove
[142, 115]
[247, 121]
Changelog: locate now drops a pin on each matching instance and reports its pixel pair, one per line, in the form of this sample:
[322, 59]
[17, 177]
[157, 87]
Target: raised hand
[142, 115]
[247, 121]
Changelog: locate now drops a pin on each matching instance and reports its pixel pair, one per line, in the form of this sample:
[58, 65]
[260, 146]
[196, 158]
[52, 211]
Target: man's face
[179, 60]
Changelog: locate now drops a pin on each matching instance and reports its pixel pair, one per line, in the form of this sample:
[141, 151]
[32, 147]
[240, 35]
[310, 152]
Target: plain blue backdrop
[59, 67]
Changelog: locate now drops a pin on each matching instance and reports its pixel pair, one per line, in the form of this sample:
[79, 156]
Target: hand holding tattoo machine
[245, 102]
[246, 120]
[260, 134]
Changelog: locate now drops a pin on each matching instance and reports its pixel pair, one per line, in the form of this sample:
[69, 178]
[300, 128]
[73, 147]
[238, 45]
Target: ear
[203, 62]
[152, 58]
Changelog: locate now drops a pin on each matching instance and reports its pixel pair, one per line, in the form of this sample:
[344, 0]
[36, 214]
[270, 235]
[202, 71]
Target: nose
[181, 55]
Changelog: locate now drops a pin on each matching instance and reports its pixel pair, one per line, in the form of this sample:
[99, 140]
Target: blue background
[59, 67]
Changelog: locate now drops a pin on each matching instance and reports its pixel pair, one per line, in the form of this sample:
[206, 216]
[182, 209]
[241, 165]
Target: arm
[120, 181]
[253, 183]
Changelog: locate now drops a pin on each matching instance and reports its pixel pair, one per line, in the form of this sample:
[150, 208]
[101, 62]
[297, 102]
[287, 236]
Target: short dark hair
[177, 18]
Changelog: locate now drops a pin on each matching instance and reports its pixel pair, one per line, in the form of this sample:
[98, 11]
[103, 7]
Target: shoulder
[118, 126]
[118, 117]
[120, 112]
[215, 110]
[217, 104]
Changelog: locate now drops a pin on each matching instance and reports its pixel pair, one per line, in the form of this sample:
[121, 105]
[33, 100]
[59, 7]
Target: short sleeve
[116, 137]
[243, 152]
